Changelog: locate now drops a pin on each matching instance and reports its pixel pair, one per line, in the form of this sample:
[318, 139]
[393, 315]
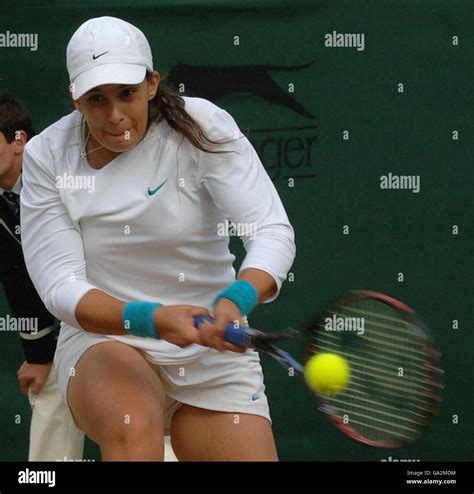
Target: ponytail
[169, 105]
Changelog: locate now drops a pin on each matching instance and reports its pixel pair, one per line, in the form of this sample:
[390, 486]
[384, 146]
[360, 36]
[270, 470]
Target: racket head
[396, 381]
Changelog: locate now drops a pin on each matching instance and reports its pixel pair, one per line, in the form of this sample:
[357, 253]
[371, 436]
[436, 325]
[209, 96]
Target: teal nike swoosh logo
[152, 192]
[255, 397]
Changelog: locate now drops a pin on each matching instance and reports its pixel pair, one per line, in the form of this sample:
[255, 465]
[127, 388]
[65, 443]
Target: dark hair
[14, 117]
[169, 105]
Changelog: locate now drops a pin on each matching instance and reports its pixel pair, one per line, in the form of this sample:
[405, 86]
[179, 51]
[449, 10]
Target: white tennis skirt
[195, 375]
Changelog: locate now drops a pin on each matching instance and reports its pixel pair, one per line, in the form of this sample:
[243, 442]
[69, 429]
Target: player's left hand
[225, 312]
[34, 375]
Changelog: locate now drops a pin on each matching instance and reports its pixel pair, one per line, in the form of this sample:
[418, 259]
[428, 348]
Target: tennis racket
[396, 377]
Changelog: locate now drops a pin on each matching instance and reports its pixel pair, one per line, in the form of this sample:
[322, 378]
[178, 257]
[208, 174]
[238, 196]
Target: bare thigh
[118, 400]
[206, 435]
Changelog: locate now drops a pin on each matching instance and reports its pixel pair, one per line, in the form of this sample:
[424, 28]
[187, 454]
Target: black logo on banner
[213, 83]
[284, 156]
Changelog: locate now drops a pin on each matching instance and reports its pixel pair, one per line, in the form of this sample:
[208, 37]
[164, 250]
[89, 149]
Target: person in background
[53, 434]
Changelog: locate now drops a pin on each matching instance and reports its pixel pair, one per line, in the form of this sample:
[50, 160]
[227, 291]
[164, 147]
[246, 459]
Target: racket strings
[360, 373]
[385, 414]
[401, 333]
[362, 396]
[393, 385]
[387, 361]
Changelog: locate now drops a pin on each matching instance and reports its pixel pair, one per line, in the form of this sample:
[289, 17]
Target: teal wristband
[137, 319]
[242, 293]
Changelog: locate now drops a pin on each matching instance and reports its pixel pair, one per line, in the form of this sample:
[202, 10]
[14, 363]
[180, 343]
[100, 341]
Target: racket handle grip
[236, 336]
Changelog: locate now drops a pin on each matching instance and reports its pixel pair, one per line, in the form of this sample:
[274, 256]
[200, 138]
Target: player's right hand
[175, 324]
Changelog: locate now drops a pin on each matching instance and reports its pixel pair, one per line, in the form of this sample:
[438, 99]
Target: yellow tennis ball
[327, 373]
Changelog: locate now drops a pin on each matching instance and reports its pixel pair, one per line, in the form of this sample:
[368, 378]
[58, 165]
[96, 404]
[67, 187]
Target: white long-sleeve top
[166, 247]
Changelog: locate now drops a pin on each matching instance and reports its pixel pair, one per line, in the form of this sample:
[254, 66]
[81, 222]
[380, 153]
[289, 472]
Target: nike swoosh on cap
[95, 57]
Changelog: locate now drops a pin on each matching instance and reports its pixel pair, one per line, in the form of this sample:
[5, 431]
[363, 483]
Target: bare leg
[205, 435]
[117, 400]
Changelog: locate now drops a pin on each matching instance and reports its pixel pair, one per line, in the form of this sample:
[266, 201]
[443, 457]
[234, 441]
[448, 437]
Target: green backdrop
[365, 125]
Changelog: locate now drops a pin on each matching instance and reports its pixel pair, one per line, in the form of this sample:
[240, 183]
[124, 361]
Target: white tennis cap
[106, 50]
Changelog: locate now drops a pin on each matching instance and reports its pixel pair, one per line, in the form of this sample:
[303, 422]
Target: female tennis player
[123, 204]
